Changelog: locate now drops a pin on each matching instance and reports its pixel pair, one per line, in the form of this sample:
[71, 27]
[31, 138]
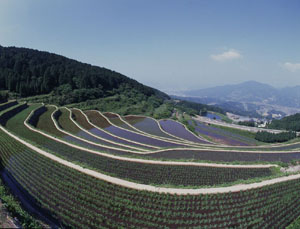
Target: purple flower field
[178, 130]
[223, 136]
[140, 138]
[147, 125]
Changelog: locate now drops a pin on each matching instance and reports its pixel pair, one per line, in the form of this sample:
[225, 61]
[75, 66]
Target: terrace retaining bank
[150, 188]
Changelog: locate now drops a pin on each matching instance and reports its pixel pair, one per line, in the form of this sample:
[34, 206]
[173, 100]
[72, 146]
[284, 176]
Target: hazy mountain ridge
[251, 91]
[249, 97]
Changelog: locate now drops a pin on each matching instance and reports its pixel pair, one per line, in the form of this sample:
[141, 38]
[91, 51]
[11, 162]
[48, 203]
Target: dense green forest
[265, 136]
[291, 122]
[50, 78]
[3, 96]
[30, 72]
[36, 76]
[193, 108]
[247, 123]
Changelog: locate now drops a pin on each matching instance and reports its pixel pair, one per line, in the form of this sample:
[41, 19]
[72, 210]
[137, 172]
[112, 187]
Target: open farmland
[222, 136]
[60, 192]
[7, 105]
[83, 121]
[115, 119]
[131, 135]
[179, 130]
[147, 125]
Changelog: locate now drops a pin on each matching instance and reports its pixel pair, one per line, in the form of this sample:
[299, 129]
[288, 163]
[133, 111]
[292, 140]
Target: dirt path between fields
[150, 188]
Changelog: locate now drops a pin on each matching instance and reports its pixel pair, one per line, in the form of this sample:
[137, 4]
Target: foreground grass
[15, 209]
[295, 224]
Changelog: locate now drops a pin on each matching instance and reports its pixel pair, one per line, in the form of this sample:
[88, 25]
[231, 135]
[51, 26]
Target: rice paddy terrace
[88, 169]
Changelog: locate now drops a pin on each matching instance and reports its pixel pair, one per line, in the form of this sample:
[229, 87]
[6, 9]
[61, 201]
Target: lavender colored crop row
[213, 134]
[226, 156]
[227, 133]
[148, 125]
[140, 138]
[7, 105]
[117, 121]
[178, 130]
[65, 122]
[107, 136]
[202, 129]
[99, 121]
[213, 116]
[84, 144]
[76, 200]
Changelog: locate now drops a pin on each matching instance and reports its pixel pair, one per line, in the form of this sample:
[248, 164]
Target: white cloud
[228, 55]
[292, 67]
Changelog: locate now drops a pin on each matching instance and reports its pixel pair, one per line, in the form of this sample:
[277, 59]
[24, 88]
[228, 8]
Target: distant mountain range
[250, 97]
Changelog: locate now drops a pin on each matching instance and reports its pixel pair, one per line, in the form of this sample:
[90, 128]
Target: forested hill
[31, 72]
[291, 122]
[36, 76]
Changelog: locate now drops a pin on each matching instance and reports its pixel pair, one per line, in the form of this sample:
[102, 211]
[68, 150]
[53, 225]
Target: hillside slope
[37, 76]
[56, 79]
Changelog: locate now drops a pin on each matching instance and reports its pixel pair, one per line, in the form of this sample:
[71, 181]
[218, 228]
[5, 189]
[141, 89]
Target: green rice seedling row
[79, 201]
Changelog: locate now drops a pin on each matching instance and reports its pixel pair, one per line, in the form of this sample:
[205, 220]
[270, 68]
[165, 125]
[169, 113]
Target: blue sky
[167, 44]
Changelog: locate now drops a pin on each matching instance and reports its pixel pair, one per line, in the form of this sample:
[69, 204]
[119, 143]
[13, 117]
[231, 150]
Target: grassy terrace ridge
[243, 133]
[64, 121]
[290, 145]
[7, 105]
[49, 127]
[179, 141]
[212, 156]
[284, 146]
[170, 175]
[117, 121]
[15, 209]
[78, 200]
[136, 136]
[295, 224]
[231, 133]
[99, 121]
[82, 120]
[45, 123]
[252, 135]
[142, 123]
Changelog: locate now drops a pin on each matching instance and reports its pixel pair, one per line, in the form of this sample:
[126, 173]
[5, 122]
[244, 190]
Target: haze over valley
[250, 96]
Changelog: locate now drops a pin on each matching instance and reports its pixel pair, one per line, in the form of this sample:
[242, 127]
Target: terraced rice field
[63, 193]
[7, 105]
[83, 121]
[147, 125]
[222, 136]
[225, 156]
[178, 130]
[129, 135]
[117, 121]
[65, 122]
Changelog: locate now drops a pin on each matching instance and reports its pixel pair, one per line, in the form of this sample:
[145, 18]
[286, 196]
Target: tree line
[291, 122]
[265, 136]
[30, 72]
